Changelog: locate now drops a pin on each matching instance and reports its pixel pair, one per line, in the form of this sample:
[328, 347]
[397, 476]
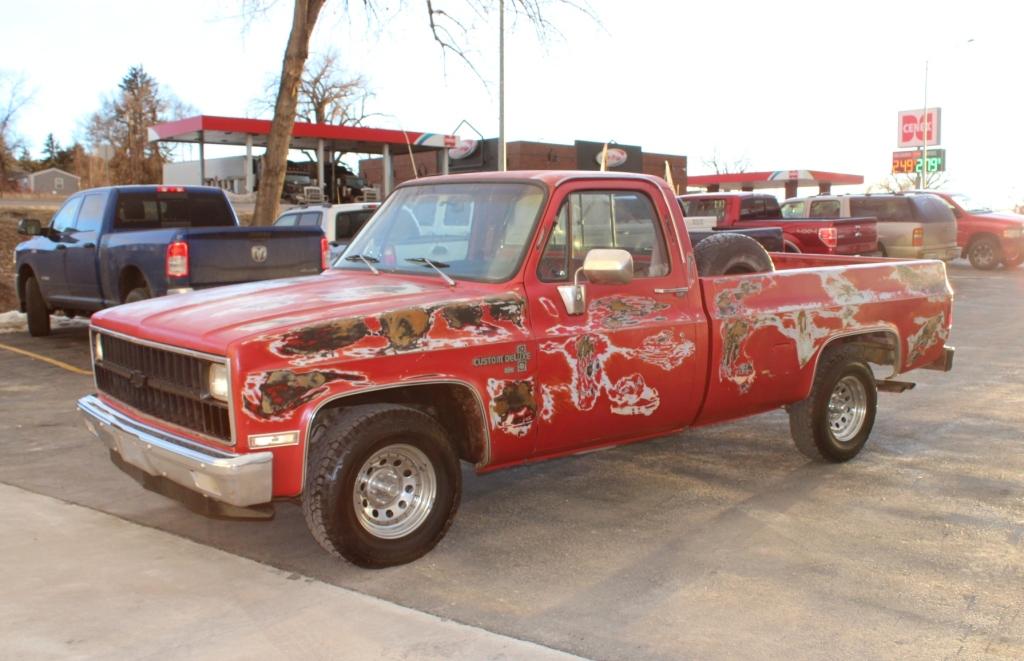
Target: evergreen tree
[51, 152]
[123, 122]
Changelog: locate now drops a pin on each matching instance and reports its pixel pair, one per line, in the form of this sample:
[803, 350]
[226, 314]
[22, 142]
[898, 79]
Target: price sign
[913, 162]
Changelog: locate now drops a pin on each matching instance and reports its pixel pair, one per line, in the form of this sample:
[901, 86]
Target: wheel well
[456, 407]
[131, 277]
[880, 347]
[979, 236]
[789, 246]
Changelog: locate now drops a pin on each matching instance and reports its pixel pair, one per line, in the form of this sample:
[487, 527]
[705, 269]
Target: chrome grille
[167, 385]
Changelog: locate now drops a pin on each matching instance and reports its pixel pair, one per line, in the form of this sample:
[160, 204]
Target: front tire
[382, 485]
[985, 253]
[835, 420]
[37, 311]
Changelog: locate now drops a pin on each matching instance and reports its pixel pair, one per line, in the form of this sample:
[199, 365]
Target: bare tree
[275, 161]
[123, 123]
[721, 166]
[327, 95]
[13, 98]
[447, 29]
[897, 183]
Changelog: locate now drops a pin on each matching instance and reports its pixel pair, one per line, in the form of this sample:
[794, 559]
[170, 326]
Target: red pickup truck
[825, 236]
[987, 238]
[561, 314]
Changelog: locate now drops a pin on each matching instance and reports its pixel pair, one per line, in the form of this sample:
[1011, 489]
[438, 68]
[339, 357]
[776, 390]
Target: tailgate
[856, 236]
[938, 234]
[221, 256]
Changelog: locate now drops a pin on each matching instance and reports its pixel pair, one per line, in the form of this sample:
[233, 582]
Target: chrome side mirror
[604, 266]
[608, 266]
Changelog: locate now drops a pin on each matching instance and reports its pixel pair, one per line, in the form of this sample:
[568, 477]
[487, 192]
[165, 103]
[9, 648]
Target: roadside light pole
[502, 162]
[921, 178]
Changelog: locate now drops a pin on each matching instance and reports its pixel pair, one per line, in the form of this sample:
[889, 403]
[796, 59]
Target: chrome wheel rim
[394, 491]
[847, 408]
[983, 253]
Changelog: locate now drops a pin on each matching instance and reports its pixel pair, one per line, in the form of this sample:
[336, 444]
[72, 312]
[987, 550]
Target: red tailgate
[856, 236]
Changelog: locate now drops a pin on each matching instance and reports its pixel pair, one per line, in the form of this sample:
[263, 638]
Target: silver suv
[914, 225]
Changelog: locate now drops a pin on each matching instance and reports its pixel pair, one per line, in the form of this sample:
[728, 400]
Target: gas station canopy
[788, 179]
[209, 129]
[241, 131]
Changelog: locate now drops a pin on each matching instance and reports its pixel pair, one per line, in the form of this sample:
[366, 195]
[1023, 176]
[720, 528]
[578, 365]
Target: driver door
[49, 261]
[632, 364]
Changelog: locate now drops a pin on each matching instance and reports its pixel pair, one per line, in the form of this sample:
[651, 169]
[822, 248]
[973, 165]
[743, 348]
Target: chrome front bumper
[237, 479]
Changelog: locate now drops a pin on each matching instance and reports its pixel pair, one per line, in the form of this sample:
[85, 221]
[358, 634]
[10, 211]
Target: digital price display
[912, 162]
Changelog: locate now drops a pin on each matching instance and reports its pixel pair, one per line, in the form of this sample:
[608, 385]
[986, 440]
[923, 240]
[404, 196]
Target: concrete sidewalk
[77, 583]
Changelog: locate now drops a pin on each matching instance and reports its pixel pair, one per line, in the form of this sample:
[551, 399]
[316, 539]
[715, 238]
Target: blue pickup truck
[107, 246]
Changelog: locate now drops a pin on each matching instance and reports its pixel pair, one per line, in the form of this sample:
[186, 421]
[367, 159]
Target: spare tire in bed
[731, 254]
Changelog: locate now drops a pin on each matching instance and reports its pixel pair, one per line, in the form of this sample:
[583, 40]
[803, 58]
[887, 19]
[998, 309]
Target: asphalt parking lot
[718, 543]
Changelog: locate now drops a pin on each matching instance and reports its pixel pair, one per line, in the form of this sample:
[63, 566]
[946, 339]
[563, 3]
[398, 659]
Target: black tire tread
[720, 253]
[36, 309]
[331, 439]
[801, 414]
[146, 294]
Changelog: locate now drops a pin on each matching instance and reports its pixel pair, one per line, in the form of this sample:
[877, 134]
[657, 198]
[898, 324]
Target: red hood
[1002, 216]
[214, 319]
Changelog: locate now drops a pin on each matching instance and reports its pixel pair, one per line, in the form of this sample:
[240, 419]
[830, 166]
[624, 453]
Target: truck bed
[768, 329]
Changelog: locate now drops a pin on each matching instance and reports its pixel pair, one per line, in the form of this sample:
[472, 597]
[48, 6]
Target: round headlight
[97, 347]
[218, 382]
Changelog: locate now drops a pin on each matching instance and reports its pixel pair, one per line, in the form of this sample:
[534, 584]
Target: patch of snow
[17, 322]
[13, 322]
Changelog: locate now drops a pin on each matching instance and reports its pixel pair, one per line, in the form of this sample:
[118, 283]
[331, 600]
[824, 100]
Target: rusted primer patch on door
[513, 405]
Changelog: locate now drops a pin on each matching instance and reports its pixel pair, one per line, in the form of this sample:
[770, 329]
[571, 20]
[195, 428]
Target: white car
[340, 222]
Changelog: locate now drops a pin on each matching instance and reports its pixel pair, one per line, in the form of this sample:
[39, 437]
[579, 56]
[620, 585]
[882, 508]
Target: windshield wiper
[437, 266]
[369, 261]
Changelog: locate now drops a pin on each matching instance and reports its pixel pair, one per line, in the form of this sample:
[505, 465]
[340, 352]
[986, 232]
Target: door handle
[678, 291]
[61, 246]
[89, 245]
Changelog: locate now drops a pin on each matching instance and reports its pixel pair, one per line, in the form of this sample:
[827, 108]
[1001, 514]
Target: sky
[780, 86]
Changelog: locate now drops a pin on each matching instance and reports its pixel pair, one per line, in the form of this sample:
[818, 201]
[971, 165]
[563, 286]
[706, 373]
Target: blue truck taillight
[177, 260]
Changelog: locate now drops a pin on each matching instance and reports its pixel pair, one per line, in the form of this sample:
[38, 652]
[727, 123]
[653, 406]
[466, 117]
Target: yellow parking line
[47, 359]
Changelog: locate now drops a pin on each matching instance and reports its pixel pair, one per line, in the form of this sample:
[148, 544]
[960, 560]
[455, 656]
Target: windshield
[475, 231]
[704, 207]
[969, 204]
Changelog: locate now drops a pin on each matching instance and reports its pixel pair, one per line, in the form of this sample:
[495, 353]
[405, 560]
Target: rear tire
[985, 253]
[138, 294]
[835, 420]
[382, 485]
[730, 254]
[37, 311]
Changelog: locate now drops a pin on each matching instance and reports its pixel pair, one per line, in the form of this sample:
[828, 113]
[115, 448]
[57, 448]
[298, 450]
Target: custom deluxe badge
[513, 362]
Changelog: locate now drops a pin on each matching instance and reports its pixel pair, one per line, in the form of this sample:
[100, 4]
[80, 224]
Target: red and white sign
[916, 126]
[465, 147]
[616, 157]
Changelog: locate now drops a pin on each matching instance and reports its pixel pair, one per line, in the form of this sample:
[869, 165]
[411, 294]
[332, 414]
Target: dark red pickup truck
[839, 236]
[561, 314]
